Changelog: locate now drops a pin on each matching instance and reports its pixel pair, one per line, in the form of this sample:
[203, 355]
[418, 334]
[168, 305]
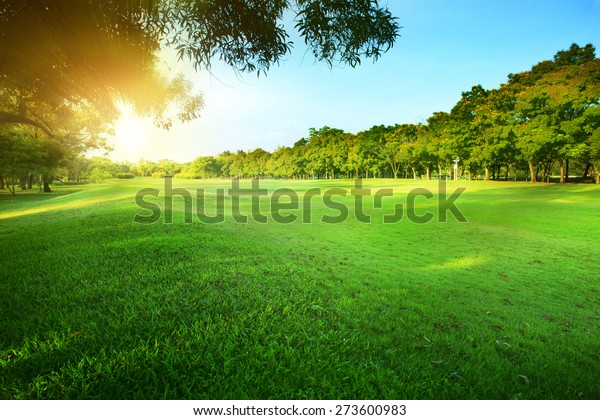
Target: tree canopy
[65, 65]
[54, 52]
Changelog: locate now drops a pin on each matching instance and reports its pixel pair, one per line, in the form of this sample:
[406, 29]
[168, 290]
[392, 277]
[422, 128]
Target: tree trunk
[2, 182]
[11, 184]
[548, 171]
[533, 172]
[46, 185]
[30, 181]
[562, 173]
[566, 170]
[427, 174]
[487, 174]
[587, 171]
[414, 173]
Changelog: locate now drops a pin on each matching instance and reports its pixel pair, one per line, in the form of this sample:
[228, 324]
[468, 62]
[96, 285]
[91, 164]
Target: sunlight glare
[131, 131]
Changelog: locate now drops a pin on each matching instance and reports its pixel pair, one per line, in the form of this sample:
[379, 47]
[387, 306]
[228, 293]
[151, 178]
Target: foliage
[99, 174]
[250, 36]
[125, 175]
[202, 167]
[67, 65]
[539, 120]
[54, 50]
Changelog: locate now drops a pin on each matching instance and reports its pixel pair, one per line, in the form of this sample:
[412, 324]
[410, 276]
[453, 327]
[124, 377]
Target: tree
[168, 167]
[423, 150]
[85, 55]
[99, 174]
[299, 159]
[224, 161]
[104, 165]
[280, 163]
[593, 149]
[494, 142]
[146, 167]
[203, 167]
[255, 164]
[52, 153]
[574, 96]
[398, 149]
[88, 53]
[64, 65]
[575, 55]
[250, 36]
[77, 168]
[237, 169]
[465, 132]
[19, 157]
[414, 154]
[365, 156]
[327, 151]
[370, 147]
[554, 109]
[439, 140]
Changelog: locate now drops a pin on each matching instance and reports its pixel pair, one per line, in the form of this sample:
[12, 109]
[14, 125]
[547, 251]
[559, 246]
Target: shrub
[125, 175]
[99, 175]
[185, 175]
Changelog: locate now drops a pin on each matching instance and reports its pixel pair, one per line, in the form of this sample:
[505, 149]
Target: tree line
[541, 122]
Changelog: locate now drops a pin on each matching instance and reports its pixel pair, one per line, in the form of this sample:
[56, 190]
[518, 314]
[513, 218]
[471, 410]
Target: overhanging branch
[8, 118]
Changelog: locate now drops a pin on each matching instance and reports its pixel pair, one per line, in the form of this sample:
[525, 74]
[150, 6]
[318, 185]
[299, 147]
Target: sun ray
[131, 131]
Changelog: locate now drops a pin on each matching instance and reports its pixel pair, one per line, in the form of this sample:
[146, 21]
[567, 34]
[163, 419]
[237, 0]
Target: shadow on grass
[35, 195]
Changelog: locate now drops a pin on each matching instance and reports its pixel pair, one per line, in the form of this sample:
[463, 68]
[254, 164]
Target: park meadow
[502, 306]
[276, 247]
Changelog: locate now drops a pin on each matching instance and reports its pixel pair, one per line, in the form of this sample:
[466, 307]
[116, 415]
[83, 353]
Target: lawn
[506, 306]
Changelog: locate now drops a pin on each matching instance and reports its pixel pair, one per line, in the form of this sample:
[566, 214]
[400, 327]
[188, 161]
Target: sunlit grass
[506, 306]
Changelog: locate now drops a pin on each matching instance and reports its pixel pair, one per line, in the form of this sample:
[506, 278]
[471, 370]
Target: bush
[185, 175]
[99, 175]
[125, 175]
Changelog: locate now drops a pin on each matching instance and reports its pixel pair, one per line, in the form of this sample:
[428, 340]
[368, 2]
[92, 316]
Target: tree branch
[8, 118]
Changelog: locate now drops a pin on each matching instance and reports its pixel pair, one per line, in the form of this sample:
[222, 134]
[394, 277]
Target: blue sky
[445, 48]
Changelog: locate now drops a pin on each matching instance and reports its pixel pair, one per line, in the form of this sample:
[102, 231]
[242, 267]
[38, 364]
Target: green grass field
[506, 306]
